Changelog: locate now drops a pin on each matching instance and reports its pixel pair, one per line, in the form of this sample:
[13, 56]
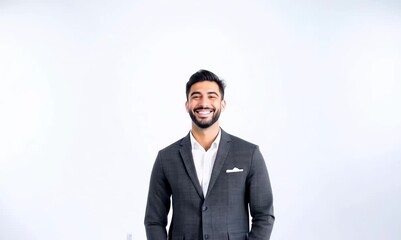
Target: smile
[204, 112]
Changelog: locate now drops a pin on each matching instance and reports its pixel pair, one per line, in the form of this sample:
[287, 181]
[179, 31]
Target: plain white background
[91, 90]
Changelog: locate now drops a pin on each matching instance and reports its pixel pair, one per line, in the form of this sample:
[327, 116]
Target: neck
[205, 136]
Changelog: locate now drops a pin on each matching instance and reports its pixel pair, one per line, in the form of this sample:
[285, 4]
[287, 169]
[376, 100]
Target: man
[212, 177]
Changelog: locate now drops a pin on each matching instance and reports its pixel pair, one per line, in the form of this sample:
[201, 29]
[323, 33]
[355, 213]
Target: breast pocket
[236, 180]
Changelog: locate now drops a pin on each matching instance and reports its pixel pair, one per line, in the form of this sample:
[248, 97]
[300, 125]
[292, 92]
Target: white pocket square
[234, 170]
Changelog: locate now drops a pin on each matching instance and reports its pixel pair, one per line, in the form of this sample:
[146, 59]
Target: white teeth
[204, 113]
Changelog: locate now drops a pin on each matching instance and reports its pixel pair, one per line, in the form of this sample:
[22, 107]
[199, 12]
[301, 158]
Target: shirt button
[206, 236]
[204, 208]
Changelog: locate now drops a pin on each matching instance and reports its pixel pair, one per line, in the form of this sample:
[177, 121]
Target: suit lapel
[224, 147]
[186, 154]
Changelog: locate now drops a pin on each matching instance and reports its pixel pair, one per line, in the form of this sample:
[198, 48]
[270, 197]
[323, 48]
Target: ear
[186, 106]
[223, 105]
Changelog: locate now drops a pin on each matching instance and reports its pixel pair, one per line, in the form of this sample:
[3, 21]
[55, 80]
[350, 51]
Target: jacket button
[206, 236]
[204, 208]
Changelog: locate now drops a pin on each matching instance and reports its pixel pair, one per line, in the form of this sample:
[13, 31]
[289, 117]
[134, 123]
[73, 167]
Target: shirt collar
[196, 145]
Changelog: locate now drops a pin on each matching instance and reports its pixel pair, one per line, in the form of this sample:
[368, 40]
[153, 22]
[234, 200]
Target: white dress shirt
[204, 160]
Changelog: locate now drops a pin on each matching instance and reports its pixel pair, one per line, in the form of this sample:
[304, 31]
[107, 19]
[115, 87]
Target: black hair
[205, 75]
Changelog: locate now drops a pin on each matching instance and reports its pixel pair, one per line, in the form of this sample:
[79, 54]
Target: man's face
[204, 103]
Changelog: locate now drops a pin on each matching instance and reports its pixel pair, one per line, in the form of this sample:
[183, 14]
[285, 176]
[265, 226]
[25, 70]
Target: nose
[204, 102]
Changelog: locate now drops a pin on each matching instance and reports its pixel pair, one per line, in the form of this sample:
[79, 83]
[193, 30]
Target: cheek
[219, 104]
[189, 107]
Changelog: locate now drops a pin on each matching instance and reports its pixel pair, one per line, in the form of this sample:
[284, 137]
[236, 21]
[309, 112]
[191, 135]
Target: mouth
[203, 112]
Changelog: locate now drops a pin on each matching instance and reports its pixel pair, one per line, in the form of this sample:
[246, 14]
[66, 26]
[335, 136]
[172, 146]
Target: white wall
[91, 90]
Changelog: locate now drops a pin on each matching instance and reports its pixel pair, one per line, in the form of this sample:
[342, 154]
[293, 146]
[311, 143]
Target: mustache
[204, 108]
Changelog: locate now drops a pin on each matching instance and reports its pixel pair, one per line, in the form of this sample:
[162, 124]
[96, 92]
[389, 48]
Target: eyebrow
[193, 93]
[209, 93]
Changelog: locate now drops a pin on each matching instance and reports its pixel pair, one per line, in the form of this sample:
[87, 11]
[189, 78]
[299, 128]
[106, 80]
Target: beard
[206, 123]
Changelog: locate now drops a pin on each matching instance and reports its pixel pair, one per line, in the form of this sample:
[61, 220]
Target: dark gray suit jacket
[223, 213]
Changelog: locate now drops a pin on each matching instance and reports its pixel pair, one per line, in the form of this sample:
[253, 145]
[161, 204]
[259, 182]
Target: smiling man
[215, 180]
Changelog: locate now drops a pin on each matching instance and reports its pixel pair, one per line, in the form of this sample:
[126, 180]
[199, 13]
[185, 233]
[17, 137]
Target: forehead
[205, 86]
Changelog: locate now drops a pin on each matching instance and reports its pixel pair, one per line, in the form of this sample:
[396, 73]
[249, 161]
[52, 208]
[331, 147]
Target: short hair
[205, 75]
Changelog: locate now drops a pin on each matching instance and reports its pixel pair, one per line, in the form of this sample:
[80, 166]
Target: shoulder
[174, 147]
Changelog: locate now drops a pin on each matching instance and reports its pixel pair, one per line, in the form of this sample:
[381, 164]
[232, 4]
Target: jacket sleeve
[260, 198]
[158, 203]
